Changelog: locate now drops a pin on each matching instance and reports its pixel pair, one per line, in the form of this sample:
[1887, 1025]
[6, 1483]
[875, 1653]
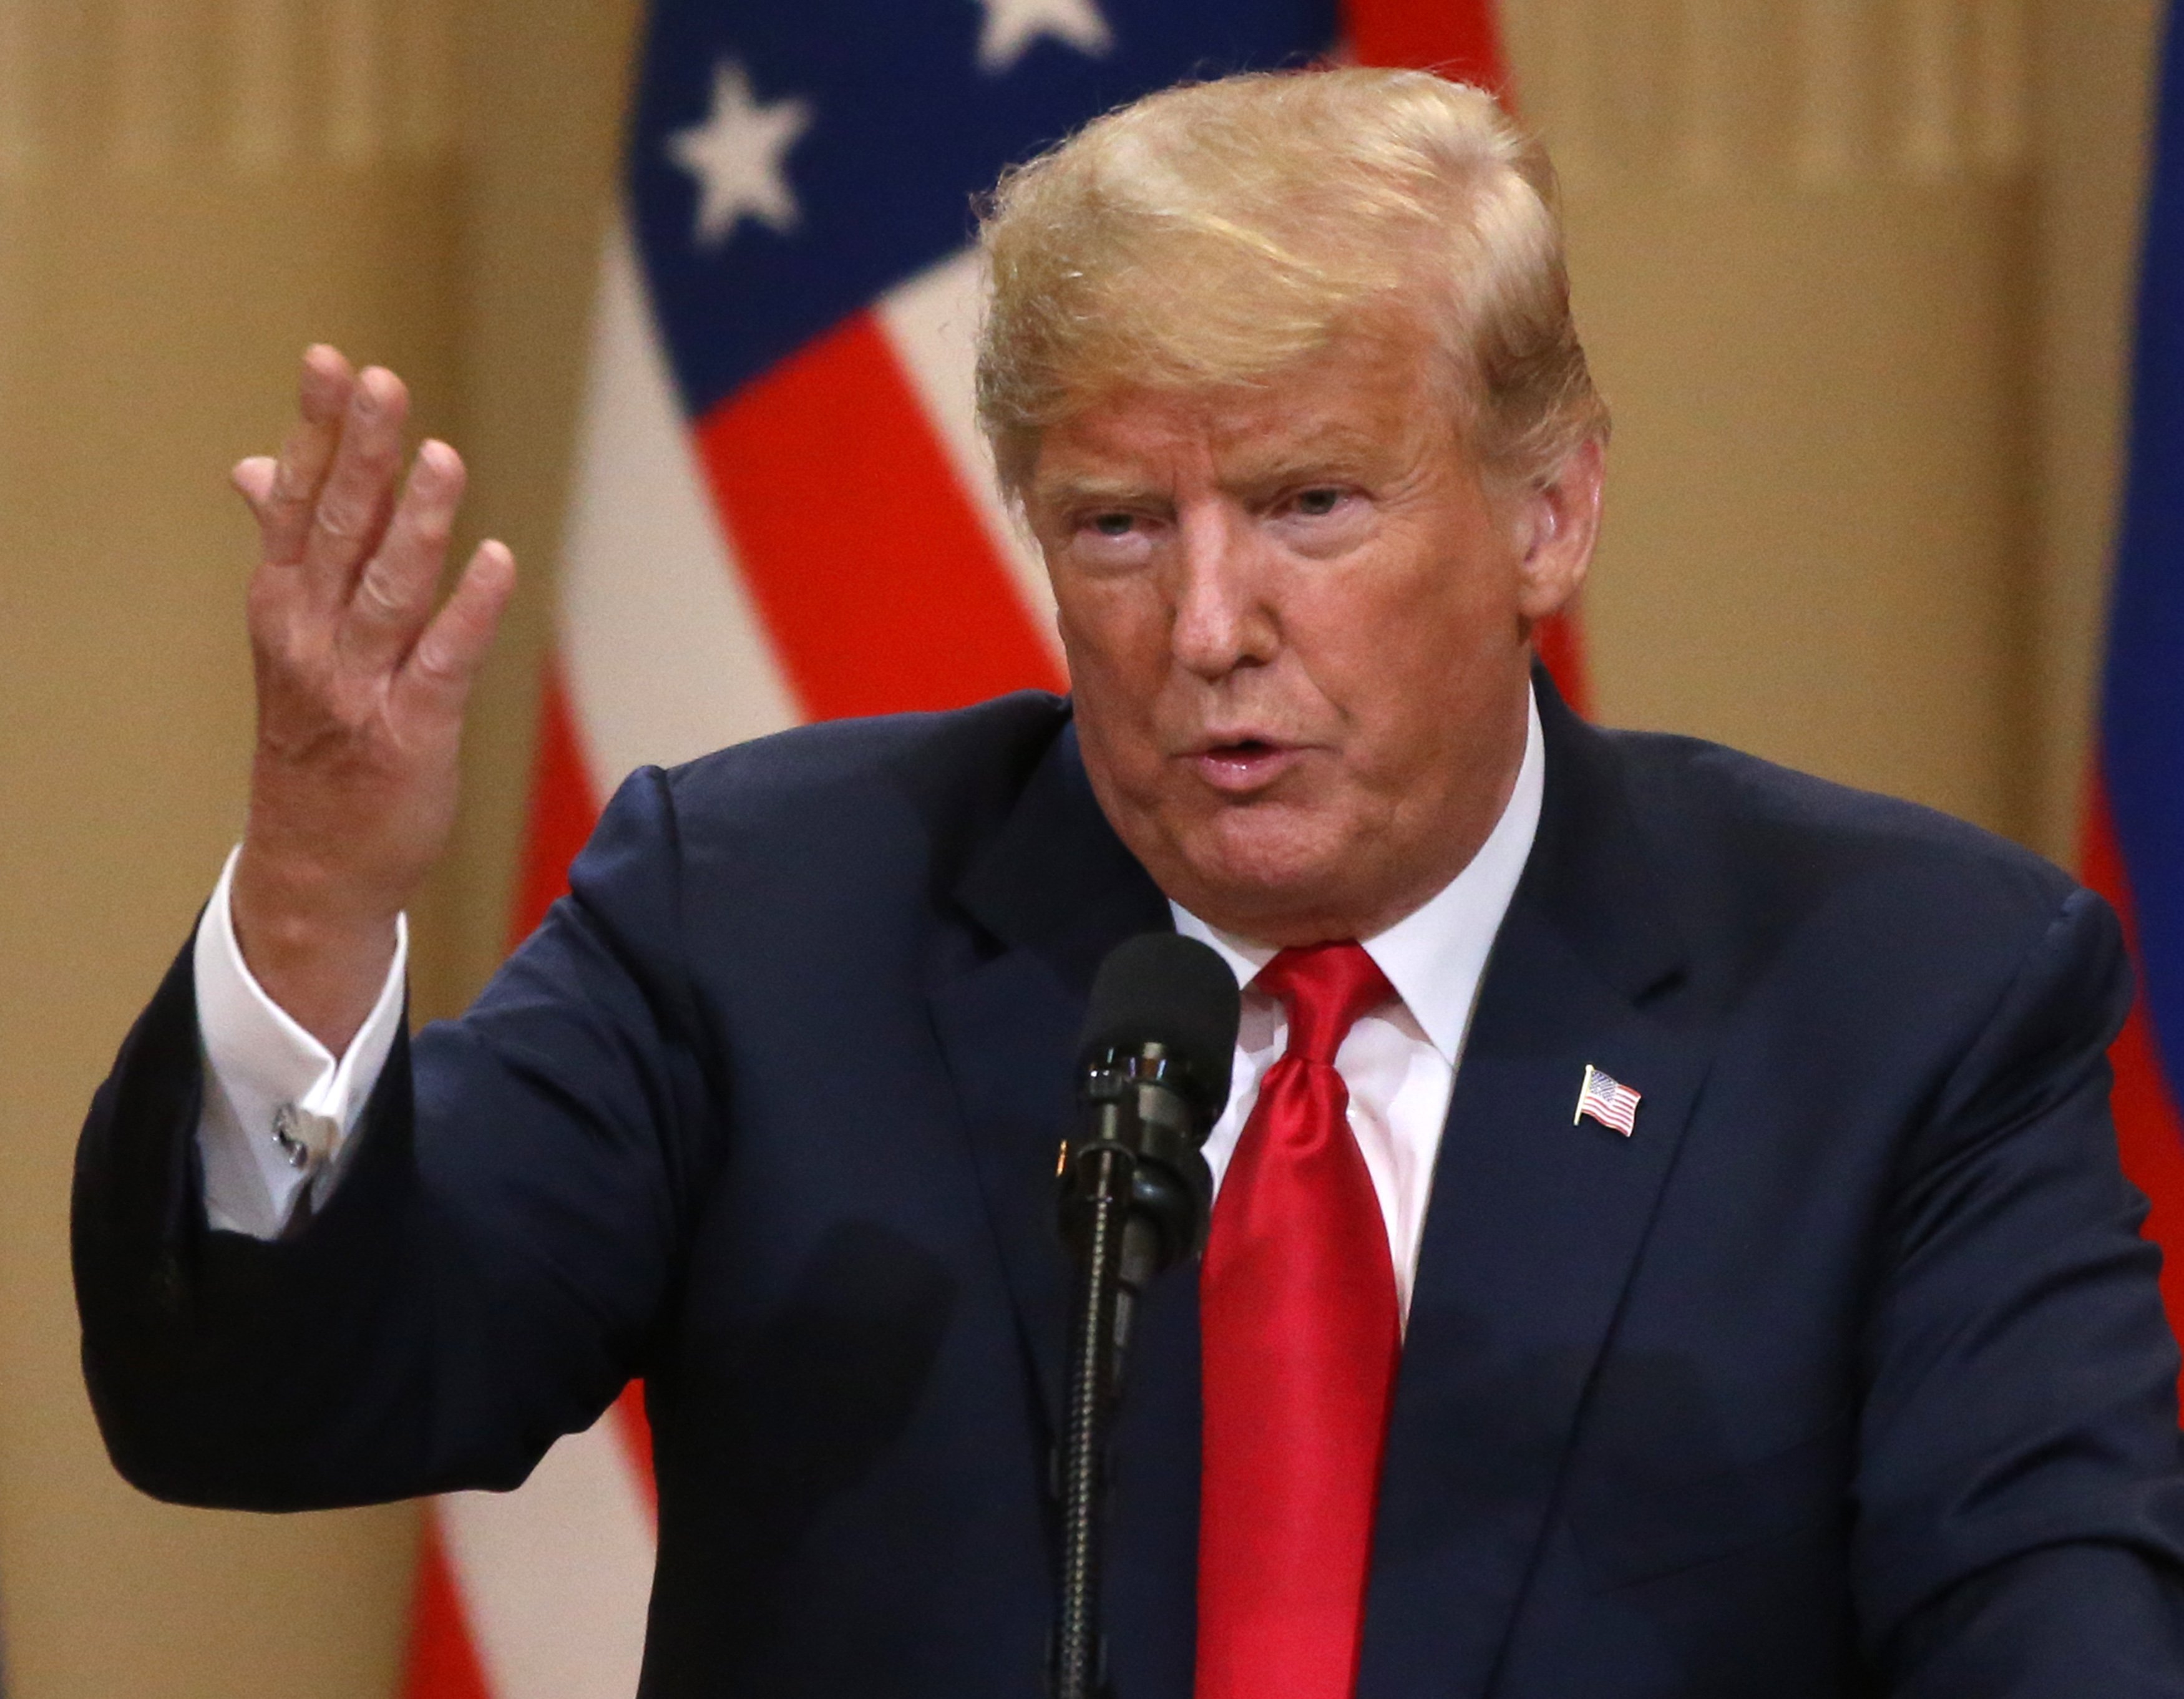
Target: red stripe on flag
[1561, 640]
[441, 1662]
[633, 1430]
[1461, 39]
[876, 582]
[563, 810]
[2150, 1130]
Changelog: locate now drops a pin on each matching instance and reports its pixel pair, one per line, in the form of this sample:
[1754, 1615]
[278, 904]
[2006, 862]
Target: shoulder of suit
[1684, 779]
[962, 763]
[1741, 834]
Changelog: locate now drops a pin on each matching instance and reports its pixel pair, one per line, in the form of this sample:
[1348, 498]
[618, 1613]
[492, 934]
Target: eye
[1317, 503]
[1112, 524]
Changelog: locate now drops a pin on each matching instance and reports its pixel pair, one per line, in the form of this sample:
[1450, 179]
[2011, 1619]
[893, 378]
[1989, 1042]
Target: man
[1778, 1326]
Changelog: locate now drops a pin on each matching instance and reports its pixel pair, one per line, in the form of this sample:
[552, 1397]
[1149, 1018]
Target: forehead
[1361, 405]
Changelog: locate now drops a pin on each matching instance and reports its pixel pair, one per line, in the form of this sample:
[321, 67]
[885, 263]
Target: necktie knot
[1325, 987]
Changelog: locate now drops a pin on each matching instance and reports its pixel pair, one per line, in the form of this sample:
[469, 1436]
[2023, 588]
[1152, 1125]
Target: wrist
[317, 951]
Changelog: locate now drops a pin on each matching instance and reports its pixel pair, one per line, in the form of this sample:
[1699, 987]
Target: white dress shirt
[279, 1106]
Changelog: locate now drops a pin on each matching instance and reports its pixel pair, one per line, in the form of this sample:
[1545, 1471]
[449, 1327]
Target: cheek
[1116, 655]
[1404, 655]
[1113, 630]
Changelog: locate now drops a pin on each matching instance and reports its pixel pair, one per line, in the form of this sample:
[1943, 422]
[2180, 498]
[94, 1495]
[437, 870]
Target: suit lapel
[1535, 1226]
[1056, 889]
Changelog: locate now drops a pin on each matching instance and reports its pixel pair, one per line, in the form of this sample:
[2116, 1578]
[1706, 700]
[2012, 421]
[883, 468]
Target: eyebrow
[1089, 489]
[1337, 451]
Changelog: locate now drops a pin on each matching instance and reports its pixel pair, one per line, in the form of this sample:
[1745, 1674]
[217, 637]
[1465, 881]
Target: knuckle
[290, 488]
[270, 608]
[287, 653]
[381, 595]
[377, 449]
[343, 521]
[435, 665]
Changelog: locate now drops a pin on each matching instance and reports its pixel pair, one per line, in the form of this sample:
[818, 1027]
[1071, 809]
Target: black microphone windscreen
[1164, 988]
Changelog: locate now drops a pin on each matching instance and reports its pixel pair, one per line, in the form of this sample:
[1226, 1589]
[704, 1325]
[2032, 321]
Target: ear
[1559, 522]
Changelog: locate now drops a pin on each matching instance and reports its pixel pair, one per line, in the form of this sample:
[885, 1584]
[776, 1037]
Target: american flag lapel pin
[1607, 1100]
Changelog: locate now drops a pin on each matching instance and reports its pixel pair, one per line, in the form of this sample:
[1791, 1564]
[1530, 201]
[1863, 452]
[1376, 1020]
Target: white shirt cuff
[278, 1106]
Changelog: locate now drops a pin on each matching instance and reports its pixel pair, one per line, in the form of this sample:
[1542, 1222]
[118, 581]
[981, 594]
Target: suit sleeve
[488, 1275]
[2019, 1517]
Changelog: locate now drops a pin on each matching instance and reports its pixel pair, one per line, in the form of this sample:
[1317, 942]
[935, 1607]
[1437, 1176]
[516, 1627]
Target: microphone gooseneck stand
[1153, 1072]
[1079, 1659]
[1136, 1192]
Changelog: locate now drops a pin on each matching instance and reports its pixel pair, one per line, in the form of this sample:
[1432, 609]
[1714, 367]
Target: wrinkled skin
[1298, 619]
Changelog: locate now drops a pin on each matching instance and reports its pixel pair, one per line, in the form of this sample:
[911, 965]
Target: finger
[273, 585]
[254, 479]
[393, 594]
[441, 668]
[284, 509]
[358, 495]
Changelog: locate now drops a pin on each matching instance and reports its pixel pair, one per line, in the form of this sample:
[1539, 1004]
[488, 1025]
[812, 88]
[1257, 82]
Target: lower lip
[1238, 772]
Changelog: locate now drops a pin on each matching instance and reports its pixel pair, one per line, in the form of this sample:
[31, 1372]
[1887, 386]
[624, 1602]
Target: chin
[1254, 874]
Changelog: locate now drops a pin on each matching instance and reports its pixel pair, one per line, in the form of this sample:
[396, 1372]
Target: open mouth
[1245, 765]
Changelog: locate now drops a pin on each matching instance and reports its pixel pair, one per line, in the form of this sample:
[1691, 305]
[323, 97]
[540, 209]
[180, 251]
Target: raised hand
[361, 686]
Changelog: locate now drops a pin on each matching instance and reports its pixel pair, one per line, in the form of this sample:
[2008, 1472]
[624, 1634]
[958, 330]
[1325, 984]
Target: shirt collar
[1436, 955]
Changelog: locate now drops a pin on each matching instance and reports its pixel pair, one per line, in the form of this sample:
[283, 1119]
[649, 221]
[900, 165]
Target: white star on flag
[1012, 26]
[1607, 1100]
[738, 155]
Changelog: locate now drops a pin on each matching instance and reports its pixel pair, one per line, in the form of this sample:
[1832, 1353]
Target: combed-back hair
[1214, 234]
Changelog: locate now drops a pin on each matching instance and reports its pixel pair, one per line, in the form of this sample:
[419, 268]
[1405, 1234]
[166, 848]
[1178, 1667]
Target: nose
[1221, 620]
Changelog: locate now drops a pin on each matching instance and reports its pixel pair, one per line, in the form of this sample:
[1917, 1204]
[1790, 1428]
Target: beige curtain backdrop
[1856, 274]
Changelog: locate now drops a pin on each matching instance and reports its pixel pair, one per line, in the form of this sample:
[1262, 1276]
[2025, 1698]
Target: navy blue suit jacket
[1846, 1374]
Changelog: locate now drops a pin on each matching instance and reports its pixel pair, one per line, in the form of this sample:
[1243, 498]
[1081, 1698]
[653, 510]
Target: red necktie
[1297, 1310]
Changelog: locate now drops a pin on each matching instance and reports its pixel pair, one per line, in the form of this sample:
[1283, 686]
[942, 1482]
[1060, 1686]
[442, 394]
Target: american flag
[1607, 1100]
[782, 512]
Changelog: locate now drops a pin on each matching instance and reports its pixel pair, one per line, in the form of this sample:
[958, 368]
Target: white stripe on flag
[555, 1576]
[932, 323]
[666, 657]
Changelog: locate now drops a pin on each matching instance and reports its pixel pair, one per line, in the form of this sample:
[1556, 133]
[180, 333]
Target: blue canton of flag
[791, 163]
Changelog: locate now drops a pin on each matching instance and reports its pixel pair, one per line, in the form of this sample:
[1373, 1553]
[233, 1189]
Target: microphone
[1153, 1077]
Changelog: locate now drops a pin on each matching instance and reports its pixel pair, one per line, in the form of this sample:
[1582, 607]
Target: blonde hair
[1214, 234]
